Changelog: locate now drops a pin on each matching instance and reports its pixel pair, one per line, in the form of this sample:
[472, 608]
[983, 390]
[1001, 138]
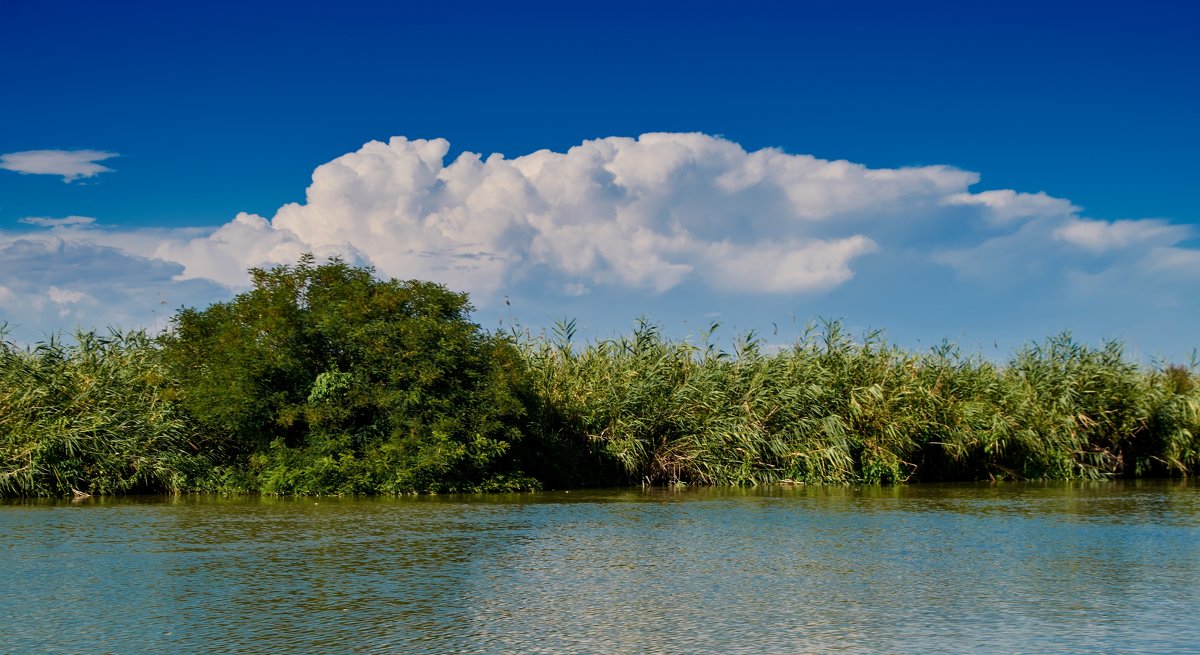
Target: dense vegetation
[829, 409]
[94, 415]
[323, 379]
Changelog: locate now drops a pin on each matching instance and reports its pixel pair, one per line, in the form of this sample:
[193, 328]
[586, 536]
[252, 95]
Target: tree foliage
[329, 380]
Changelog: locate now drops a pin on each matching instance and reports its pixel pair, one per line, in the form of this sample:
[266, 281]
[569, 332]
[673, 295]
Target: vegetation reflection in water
[1011, 567]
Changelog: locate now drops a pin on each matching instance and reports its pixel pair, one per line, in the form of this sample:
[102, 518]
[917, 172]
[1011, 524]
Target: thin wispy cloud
[71, 165]
[66, 221]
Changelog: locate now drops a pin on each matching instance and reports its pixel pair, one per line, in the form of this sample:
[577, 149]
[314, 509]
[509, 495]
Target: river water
[1035, 568]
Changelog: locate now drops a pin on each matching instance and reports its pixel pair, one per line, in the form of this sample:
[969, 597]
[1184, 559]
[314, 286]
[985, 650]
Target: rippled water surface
[1072, 568]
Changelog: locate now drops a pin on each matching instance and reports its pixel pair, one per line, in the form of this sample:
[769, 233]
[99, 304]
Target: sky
[988, 173]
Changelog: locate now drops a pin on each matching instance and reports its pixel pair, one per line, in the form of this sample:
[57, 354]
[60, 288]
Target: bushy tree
[325, 379]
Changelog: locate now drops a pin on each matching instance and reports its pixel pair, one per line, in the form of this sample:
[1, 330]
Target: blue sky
[216, 109]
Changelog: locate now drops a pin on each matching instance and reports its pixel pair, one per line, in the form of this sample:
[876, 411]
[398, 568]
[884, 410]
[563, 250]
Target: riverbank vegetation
[96, 414]
[325, 380]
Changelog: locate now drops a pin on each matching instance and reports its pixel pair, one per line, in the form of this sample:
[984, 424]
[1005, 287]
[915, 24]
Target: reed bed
[91, 414]
[832, 409]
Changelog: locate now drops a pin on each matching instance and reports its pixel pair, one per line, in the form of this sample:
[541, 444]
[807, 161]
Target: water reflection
[1083, 567]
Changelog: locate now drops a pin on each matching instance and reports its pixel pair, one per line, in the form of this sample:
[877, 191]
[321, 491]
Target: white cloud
[1057, 242]
[66, 296]
[575, 289]
[70, 164]
[1104, 236]
[66, 221]
[225, 254]
[1007, 206]
[785, 267]
[53, 280]
[648, 213]
[1185, 261]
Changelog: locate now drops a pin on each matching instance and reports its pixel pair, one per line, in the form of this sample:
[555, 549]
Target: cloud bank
[60, 279]
[648, 213]
[70, 164]
[653, 215]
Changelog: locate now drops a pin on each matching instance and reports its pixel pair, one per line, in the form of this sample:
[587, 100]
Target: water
[1039, 568]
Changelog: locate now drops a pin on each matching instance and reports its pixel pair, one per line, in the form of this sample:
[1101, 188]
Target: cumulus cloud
[650, 213]
[225, 254]
[647, 213]
[71, 165]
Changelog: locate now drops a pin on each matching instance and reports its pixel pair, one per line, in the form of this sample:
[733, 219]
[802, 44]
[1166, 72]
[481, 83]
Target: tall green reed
[93, 414]
[829, 408]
